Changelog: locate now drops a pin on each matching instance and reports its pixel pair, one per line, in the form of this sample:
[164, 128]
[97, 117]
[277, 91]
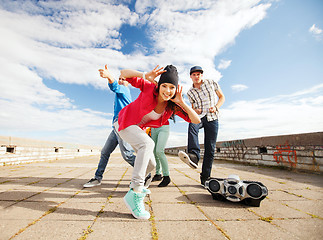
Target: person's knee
[105, 155]
[193, 129]
[128, 157]
[160, 153]
[148, 145]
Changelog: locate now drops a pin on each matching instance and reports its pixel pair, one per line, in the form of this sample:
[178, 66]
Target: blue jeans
[210, 135]
[109, 146]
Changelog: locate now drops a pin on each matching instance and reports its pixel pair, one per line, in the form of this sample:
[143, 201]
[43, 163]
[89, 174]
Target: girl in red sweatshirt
[153, 107]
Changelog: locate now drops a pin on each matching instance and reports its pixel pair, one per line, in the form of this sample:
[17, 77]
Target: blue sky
[266, 55]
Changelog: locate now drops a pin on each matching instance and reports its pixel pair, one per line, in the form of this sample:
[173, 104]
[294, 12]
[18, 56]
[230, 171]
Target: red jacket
[144, 104]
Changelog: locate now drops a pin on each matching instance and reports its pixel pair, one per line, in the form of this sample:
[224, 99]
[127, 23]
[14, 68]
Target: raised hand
[105, 73]
[178, 95]
[150, 76]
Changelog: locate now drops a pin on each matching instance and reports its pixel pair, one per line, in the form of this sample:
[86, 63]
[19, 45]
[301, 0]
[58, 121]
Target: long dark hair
[172, 106]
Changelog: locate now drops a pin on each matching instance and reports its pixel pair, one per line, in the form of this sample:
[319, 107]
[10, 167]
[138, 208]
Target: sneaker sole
[89, 186]
[148, 181]
[186, 159]
[128, 206]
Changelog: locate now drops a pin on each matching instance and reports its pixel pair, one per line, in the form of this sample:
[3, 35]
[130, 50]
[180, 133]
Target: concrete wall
[14, 150]
[299, 151]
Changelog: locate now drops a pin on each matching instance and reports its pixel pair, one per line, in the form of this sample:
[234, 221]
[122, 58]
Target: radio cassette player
[233, 189]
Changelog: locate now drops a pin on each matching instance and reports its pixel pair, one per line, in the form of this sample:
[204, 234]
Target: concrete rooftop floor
[46, 200]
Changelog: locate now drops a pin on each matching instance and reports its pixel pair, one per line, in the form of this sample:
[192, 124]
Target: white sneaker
[92, 183]
[186, 159]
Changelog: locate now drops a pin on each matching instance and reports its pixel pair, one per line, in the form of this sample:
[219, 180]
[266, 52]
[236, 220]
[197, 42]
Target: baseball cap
[196, 69]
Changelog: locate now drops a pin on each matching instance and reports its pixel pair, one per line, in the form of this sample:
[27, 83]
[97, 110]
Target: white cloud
[31, 50]
[278, 115]
[284, 114]
[68, 36]
[190, 30]
[62, 40]
[224, 64]
[223, 19]
[315, 30]
[186, 33]
[20, 84]
[176, 139]
[22, 119]
[239, 87]
[69, 23]
[44, 35]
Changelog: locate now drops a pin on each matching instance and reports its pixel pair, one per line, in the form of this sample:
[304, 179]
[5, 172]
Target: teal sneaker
[135, 202]
[146, 191]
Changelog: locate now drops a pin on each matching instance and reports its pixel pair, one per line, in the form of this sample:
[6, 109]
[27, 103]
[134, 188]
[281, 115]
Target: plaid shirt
[204, 98]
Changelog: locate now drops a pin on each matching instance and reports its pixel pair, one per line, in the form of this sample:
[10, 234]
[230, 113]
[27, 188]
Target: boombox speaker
[233, 189]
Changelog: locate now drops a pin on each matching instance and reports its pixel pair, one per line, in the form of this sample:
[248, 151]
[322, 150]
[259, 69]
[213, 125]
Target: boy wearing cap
[206, 98]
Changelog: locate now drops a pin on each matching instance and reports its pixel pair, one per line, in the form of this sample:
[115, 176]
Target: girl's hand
[150, 76]
[180, 102]
[178, 95]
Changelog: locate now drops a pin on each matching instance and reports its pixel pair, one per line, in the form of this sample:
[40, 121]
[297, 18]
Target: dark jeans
[210, 135]
[110, 145]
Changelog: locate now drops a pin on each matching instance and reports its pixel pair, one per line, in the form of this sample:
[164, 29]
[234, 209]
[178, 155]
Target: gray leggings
[144, 147]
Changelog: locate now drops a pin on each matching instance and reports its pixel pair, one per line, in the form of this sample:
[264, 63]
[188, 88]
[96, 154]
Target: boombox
[233, 189]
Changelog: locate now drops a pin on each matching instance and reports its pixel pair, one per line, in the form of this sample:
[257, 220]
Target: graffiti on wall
[239, 149]
[232, 143]
[284, 154]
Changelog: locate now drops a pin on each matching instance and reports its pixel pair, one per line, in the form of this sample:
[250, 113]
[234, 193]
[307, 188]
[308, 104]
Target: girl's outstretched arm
[150, 76]
[180, 102]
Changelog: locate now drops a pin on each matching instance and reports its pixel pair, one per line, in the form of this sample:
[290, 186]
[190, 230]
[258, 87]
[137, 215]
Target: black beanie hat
[171, 76]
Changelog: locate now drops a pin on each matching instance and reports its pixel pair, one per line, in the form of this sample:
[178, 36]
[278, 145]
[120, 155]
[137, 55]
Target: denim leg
[126, 150]
[109, 146]
[193, 145]
[210, 136]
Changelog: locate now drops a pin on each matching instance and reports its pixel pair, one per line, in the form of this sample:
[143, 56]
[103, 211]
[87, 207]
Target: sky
[267, 57]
